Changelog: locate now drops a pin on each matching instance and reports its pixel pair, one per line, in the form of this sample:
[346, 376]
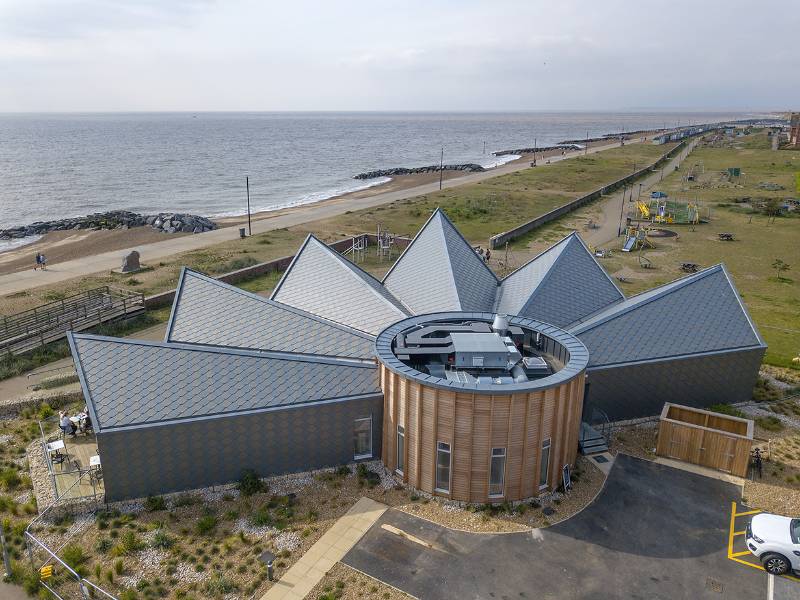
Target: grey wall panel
[182, 456]
[633, 391]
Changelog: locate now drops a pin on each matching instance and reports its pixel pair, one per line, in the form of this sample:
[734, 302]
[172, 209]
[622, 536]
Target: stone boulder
[130, 264]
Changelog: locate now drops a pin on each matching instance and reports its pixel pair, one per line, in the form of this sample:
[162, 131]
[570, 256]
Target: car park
[775, 541]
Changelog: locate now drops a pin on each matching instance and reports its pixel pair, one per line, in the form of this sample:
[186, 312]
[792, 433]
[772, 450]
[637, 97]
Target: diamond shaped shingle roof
[207, 311]
[562, 285]
[697, 314]
[132, 382]
[439, 271]
[324, 283]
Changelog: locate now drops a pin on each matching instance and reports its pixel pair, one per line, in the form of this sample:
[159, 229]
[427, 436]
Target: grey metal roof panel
[575, 287]
[439, 271]
[324, 283]
[697, 314]
[133, 382]
[208, 311]
[516, 288]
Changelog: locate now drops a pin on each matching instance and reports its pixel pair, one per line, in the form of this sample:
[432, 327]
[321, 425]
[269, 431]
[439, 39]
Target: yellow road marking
[734, 555]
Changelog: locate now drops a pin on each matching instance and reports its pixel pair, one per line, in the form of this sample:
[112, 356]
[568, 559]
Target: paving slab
[327, 551]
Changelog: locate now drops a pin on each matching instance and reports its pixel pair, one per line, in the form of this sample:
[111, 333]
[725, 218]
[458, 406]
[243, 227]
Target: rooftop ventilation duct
[500, 324]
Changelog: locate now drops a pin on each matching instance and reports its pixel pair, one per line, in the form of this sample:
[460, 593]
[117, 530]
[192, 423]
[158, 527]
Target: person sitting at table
[66, 425]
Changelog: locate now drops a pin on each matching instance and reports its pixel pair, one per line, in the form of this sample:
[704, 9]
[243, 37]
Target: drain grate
[714, 585]
[600, 459]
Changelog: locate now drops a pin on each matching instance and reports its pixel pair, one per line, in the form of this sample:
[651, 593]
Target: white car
[775, 540]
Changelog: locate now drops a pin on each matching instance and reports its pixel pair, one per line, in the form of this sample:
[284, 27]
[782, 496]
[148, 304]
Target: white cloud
[384, 55]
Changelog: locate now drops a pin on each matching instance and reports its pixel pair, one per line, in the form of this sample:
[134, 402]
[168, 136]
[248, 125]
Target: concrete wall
[204, 452]
[500, 239]
[640, 390]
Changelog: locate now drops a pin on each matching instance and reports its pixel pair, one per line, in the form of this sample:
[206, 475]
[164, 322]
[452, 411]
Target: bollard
[269, 570]
[241, 232]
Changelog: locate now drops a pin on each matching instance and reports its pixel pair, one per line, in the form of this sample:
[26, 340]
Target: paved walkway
[79, 267]
[298, 581]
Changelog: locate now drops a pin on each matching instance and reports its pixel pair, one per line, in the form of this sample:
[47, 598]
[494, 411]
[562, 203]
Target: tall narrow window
[544, 465]
[497, 472]
[362, 438]
[443, 467]
[401, 448]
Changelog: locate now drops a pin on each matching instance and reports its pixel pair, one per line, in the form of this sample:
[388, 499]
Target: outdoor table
[94, 461]
[54, 448]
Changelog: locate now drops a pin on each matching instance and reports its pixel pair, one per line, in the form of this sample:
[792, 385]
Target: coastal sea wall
[468, 167]
[500, 239]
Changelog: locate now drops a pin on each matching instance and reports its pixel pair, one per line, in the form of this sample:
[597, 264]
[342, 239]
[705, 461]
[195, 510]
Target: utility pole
[586, 149]
[249, 224]
[621, 210]
[441, 168]
[484, 146]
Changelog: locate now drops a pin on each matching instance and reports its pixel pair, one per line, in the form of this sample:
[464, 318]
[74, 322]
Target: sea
[66, 165]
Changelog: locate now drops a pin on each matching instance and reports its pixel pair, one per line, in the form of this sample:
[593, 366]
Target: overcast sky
[84, 55]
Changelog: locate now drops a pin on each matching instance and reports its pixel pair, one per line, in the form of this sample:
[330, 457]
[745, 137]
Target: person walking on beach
[38, 261]
[43, 262]
[487, 256]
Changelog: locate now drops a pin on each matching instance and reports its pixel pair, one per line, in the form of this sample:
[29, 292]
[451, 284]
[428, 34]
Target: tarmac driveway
[654, 532]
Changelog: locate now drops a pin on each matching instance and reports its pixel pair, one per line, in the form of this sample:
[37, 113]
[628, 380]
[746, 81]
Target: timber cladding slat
[704, 438]
[474, 423]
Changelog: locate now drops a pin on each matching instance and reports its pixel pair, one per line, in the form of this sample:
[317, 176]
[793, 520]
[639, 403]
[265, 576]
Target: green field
[774, 302]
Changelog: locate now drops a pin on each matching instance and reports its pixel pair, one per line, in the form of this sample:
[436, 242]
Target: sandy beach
[85, 252]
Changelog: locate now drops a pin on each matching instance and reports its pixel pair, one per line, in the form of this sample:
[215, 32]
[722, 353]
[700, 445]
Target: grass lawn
[773, 302]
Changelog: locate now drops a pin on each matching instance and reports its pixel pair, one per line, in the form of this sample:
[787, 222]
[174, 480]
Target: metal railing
[52, 558]
[37, 326]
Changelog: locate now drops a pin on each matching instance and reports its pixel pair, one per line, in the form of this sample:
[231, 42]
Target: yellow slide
[643, 208]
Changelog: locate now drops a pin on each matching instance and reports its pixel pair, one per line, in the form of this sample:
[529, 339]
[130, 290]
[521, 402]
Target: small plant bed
[778, 490]
[503, 517]
[636, 440]
[348, 584]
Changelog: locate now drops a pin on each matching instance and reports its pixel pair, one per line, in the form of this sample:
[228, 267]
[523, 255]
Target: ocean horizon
[56, 165]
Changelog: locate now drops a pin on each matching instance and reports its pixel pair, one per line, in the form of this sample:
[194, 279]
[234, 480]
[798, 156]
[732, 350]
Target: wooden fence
[705, 438]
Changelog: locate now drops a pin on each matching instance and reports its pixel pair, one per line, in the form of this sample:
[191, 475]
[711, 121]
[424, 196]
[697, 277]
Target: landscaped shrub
[206, 524]
[128, 594]
[129, 543]
[161, 539]
[73, 555]
[727, 409]
[770, 423]
[10, 479]
[249, 483]
[103, 545]
[154, 503]
[219, 585]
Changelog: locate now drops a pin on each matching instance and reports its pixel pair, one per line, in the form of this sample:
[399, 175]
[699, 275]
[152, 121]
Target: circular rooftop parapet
[565, 354]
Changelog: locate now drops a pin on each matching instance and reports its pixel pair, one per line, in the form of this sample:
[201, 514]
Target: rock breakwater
[115, 219]
[468, 167]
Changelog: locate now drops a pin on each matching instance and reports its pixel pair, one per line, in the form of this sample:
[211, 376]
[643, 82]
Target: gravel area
[779, 489]
[349, 584]
[287, 540]
[637, 440]
[588, 481]
[40, 475]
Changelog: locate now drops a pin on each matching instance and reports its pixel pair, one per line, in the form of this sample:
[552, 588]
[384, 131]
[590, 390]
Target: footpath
[16, 282]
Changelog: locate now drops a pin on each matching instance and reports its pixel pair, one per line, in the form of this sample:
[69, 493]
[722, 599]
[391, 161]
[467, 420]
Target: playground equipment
[358, 248]
[661, 210]
[636, 238]
[385, 243]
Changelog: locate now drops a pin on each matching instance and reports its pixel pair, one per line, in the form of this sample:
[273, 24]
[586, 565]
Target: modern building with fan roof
[465, 385]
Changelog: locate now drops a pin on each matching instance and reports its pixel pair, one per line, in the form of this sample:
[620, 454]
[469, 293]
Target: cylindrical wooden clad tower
[481, 440]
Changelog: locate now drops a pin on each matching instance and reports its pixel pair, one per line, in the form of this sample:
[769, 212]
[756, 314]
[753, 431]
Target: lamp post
[441, 168]
[249, 224]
